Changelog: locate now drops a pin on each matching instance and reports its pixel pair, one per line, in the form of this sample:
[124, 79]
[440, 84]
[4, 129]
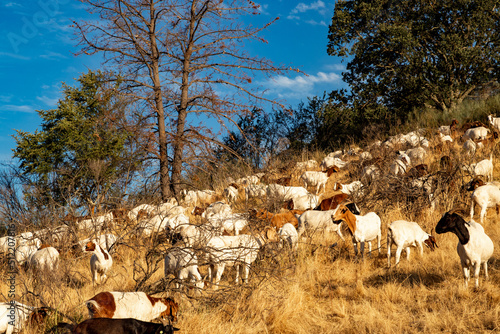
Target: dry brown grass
[318, 290]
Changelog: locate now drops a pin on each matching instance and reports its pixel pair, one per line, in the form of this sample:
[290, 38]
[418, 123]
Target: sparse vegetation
[321, 289]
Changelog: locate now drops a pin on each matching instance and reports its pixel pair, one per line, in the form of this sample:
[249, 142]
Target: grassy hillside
[321, 289]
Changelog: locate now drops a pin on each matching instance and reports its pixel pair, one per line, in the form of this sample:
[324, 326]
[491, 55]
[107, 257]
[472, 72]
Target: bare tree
[186, 58]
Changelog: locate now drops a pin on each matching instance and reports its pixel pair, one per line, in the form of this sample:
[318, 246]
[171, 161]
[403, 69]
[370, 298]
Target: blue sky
[37, 54]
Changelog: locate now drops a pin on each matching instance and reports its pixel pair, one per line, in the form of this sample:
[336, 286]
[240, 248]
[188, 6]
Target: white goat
[487, 196]
[476, 133]
[352, 188]
[230, 223]
[364, 228]
[400, 164]
[314, 179]
[196, 234]
[305, 202]
[474, 246]
[470, 147]
[100, 262]
[248, 180]
[306, 165]
[255, 191]
[14, 316]
[405, 234]
[370, 173]
[288, 233]
[240, 250]
[217, 208]
[330, 161]
[183, 264]
[132, 214]
[197, 197]
[44, 259]
[104, 240]
[494, 121]
[231, 194]
[318, 221]
[285, 193]
[416, 154]
[482, 168]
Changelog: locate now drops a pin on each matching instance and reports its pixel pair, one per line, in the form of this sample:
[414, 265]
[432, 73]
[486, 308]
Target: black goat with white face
[474, 246]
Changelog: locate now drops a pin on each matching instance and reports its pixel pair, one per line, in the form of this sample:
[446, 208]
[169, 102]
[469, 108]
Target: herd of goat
[227, 238]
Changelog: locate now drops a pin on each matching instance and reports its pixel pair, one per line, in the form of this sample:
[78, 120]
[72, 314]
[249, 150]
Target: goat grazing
[183, 264]
[405, 234]
[487, 196]
[239, 250]
[288, 233]
[474, 246]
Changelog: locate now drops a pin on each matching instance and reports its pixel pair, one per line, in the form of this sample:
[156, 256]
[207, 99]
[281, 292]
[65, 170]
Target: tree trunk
[160, 114]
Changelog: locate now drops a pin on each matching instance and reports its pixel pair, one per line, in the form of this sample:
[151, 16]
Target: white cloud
[5, 98]
[302, 83]
[53, 55]
[47, 100]
[263, 9]
[22, 108]
[336, 67]
[316, 23]
[302, 7]
[14, 55]
[12, 4]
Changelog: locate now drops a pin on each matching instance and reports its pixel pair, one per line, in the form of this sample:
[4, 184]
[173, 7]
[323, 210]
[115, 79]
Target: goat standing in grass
[474, 246]
[404, 235]
[363, 228]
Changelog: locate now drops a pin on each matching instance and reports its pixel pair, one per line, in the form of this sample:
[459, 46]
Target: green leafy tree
[404, 55]
[82, 150]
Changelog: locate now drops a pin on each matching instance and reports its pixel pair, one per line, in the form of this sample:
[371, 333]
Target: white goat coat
[404, 234]
[232, 251]
[217, 208]
[476, 252]
[487, 196]
[476, 133]
[494, 121]
[231, 194]
[367, 229]
[45, 259]
[314, 179]
[233, 223]
[318, 221]
[305, 202]
[288, 233]
[21, 314]
[255, 190]
[104, 240]
[349, 188]
[100, 263]
[183, 264]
